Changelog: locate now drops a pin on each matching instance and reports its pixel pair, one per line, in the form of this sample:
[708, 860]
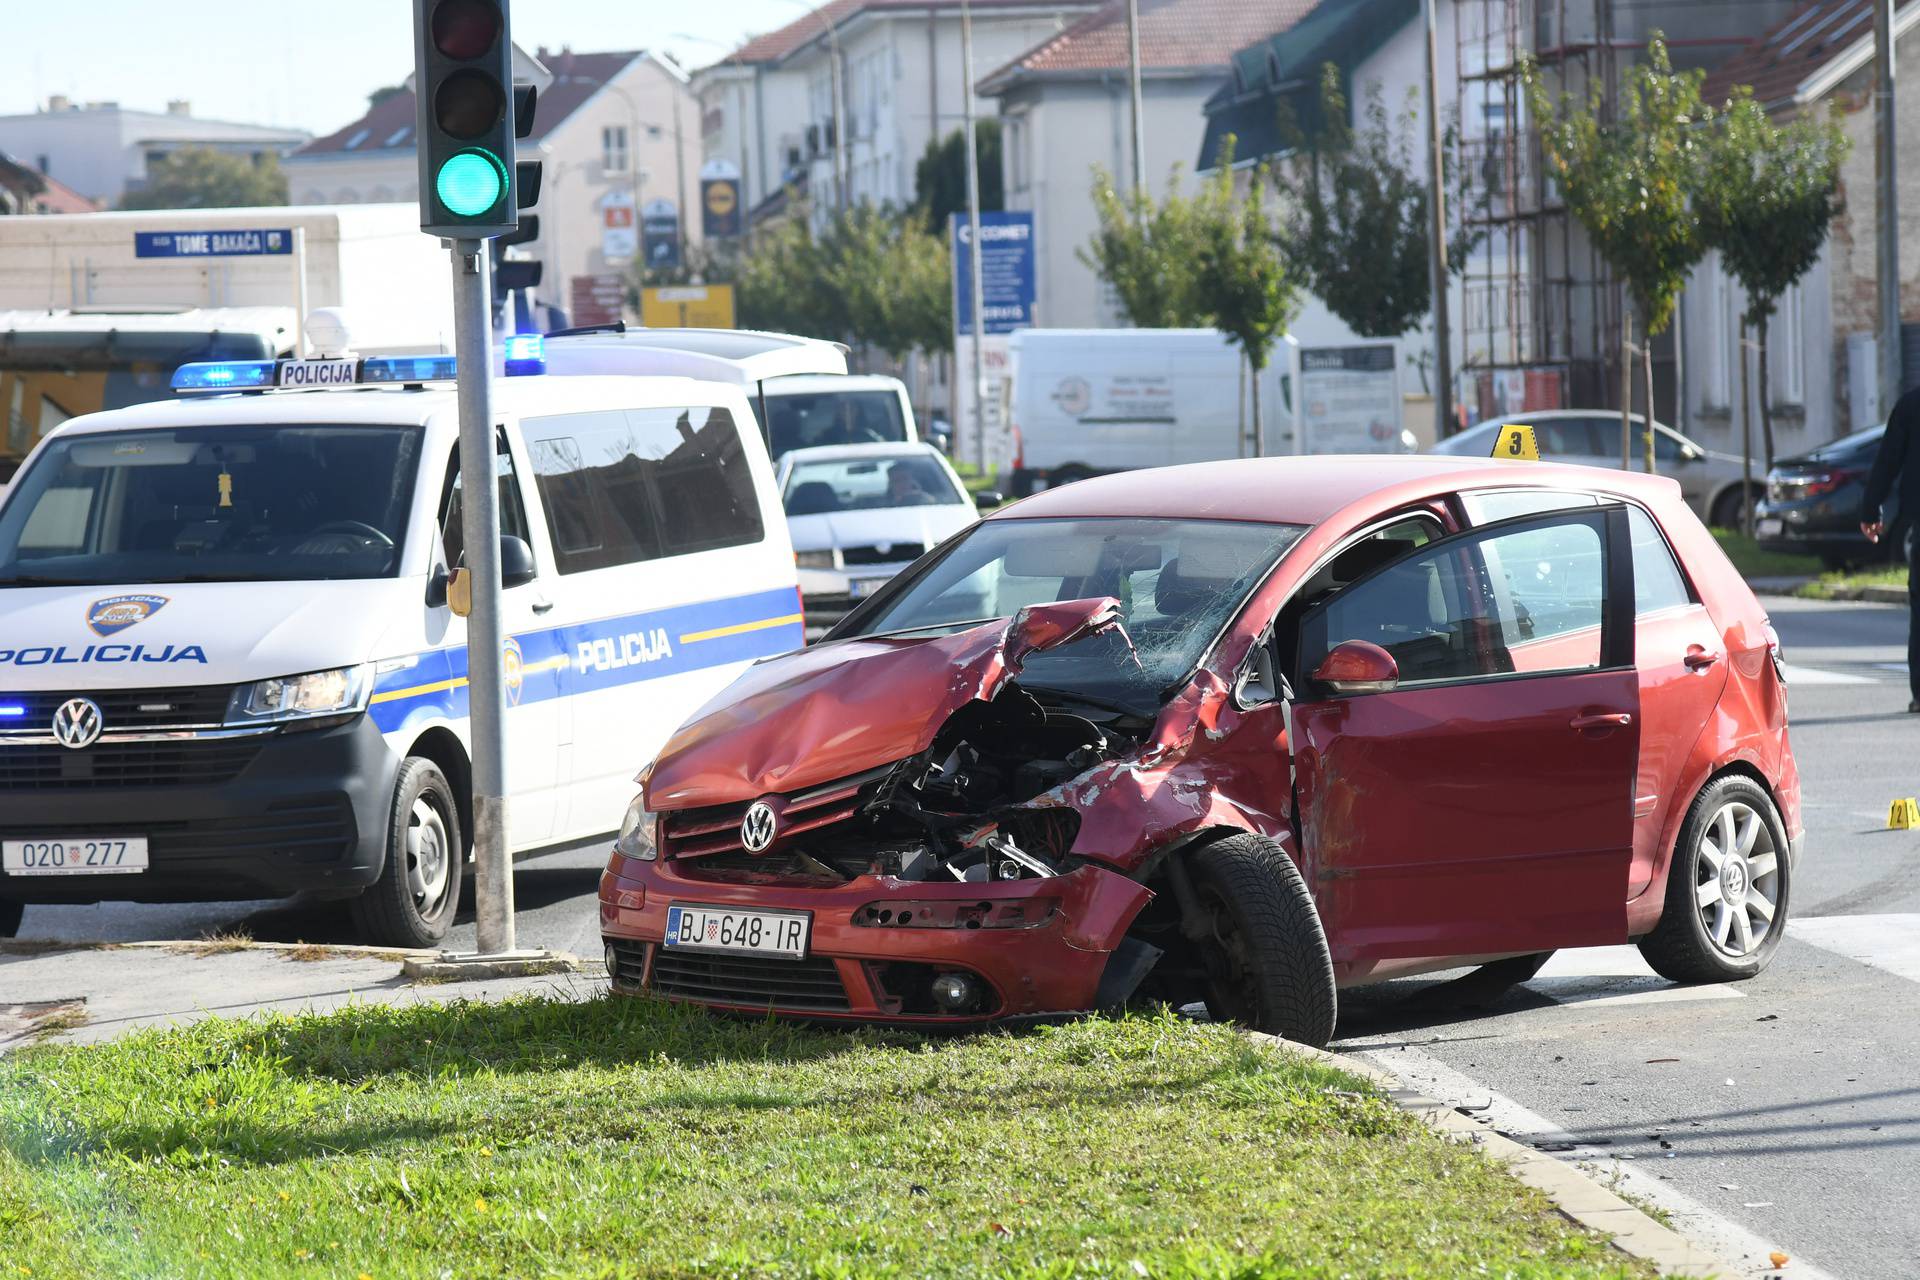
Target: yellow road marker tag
[1904, 815]
[1516, 442]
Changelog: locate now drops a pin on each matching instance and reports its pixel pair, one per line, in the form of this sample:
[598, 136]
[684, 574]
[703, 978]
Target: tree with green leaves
[1243, 277]
[1145, 249]
[203, 178]
[1629, 179]
[1768, 194]
[940, 176]
[1356, 219]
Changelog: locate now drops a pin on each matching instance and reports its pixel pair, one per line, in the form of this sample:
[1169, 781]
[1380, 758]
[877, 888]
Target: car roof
[794, 384]
[524, 396]
[742, 356]
[850, 452]
[1311, 490]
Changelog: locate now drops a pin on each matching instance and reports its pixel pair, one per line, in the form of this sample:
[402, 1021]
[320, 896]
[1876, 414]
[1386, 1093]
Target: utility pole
[840, 175]
[1887, 171]
[1133, 76]
[978, 250]
[1437, 200]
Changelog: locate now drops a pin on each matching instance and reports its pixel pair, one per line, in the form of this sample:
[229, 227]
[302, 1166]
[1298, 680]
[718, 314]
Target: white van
[227, 665]
[822, 412]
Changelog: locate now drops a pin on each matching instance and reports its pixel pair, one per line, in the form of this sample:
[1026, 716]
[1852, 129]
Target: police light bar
[525, 355]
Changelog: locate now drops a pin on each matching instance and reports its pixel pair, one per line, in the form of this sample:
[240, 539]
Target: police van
[229, 669]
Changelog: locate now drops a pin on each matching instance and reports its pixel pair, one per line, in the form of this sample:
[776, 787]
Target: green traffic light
[470, 183]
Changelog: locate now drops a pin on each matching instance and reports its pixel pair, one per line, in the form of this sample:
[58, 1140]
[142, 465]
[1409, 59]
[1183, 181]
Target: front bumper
[306, 811]
[875, 973]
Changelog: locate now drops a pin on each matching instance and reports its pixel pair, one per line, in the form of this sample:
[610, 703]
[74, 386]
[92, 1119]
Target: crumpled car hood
[824, 713]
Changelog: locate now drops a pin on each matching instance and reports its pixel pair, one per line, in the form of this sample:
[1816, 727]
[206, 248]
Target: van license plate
[66, 856]
[1769, 528]
[861, 588]
[756, 933]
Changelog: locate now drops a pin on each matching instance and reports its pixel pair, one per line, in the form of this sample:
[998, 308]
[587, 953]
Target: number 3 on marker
[1516, 442]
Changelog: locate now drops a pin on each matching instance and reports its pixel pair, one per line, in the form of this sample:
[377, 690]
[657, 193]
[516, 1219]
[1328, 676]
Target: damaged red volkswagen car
[1240, 733]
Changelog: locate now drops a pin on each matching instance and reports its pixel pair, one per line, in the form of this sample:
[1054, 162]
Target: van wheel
[1265, 957]
[1727, 890]
[10, 913]
[413, 902]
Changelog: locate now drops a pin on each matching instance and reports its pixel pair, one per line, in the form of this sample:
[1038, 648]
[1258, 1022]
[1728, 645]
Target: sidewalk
[93, 994]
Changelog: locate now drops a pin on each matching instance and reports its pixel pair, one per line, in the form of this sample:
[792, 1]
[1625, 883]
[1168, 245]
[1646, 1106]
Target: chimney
[179, 107]
[59, 102]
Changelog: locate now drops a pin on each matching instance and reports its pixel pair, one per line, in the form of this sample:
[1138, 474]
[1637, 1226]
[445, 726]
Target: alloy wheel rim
[429, 866]
[1737, 880]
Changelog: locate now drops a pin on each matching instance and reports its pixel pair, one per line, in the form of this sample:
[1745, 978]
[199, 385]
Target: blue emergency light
[387, 369]
[12, 711]
[526, 354]
[225, 375]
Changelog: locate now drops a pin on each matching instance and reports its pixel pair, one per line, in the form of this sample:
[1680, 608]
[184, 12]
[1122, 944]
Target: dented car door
[1482, 802]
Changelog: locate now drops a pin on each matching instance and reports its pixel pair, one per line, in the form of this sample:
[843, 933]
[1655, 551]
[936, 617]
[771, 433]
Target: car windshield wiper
[44, 580]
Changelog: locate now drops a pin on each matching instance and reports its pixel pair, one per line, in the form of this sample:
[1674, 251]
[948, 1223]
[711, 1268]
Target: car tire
[1266, 958]
[1711, 929]
[413, 902]
[1726, 508]
[10, 914]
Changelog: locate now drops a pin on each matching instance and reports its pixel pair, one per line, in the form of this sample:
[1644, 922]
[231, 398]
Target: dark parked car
[1813, 501]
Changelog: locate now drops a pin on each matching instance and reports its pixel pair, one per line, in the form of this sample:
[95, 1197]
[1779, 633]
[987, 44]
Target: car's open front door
[1484, 802]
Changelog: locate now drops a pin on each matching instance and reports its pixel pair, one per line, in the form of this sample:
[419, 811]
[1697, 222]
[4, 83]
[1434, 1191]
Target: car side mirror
[988, 499]
[516, 562]
[1358, 666]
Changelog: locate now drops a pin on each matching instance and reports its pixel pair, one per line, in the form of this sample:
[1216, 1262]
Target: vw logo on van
[77, 723]
[757, 828]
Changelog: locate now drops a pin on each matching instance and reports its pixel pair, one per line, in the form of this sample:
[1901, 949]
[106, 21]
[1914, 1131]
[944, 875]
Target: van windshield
[227, 504]
[806, 420]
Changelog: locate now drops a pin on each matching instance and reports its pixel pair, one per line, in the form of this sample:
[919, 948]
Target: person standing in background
[1896, 472]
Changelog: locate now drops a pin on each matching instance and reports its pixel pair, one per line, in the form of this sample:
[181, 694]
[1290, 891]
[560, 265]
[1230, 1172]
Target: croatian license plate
[861, 588]
[755, 933]
[1769, 528]
[65, 856]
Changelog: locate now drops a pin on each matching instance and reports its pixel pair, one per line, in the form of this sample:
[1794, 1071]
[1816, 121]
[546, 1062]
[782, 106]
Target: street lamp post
[975, 281]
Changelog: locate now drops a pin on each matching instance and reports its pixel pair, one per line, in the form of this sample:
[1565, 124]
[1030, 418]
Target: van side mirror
[988, 499]
[516, 562]
[1358, 666]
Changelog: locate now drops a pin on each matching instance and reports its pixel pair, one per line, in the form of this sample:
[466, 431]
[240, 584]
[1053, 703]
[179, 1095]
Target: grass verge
[626, 1138]
[1841, 586]
[1752, 562]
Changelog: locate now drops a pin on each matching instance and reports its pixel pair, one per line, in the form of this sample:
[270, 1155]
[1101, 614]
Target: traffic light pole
[486, 640]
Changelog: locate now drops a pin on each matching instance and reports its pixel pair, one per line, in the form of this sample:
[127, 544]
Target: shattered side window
[1178, 583]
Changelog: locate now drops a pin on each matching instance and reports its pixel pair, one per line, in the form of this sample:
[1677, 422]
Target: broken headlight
[637, 833]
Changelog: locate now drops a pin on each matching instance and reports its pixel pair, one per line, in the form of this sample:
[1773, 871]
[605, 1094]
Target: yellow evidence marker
[1516, 442]
[1904, 815]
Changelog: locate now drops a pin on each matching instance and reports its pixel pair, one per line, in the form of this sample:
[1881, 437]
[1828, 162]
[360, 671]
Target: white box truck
[97, 310]
[1089, 401]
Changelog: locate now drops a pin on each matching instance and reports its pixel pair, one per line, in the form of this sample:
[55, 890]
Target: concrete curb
[445, 966]
[1573, 1192]
[213, 946]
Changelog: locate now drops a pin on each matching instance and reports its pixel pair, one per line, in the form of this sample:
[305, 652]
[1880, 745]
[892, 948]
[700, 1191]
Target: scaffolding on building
[1540, 324]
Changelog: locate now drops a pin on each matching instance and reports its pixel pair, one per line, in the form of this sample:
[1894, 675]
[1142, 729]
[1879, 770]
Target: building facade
[617, 135]
[103, 151]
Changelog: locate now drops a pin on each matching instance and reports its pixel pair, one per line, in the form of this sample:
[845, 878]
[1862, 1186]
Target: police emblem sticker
[117, 613]
[513, 666]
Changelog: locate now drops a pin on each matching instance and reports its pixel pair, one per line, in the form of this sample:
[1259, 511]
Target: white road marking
[1615, 976]
[1887, 942]
[1800, 675]
[1716, 1234]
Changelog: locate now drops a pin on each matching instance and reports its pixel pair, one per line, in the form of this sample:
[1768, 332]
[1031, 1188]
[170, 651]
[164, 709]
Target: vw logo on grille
[757, 828]
[77, 723]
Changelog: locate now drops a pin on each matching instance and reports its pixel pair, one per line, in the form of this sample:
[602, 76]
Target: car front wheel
[1265, 954]
[1727, 890]
[413, 902]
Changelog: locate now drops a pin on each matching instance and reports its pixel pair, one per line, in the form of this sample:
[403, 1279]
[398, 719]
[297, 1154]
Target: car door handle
[1603, 720]
[543, 606]
[1699, 658]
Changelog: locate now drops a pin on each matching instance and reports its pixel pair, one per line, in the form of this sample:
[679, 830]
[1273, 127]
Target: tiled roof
[1807, 41]
[787, 40]
[576, 77]
[1173, 33]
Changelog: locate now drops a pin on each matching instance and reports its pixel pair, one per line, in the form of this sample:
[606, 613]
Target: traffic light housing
[468, 113]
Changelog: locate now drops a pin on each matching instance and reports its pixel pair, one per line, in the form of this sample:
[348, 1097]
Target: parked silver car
[1591, 437]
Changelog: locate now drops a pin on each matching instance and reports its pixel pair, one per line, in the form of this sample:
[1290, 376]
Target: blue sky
[309, 65]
